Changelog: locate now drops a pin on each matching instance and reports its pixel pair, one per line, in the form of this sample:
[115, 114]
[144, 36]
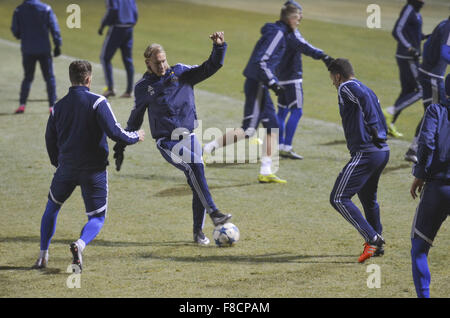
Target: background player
[436, 57]
[408, 33]
[31, 23]
[290, 73]
[77, 146]
[365, 131]
[168, 95]
[432, 179]
[259, 78]
[121, 16]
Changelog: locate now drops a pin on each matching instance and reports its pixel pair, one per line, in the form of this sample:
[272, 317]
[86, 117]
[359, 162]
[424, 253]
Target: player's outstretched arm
[215, 61]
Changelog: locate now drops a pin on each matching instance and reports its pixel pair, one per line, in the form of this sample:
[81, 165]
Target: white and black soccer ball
[226, 235]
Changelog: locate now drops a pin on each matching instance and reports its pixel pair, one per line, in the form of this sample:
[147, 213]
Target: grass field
[293, 244]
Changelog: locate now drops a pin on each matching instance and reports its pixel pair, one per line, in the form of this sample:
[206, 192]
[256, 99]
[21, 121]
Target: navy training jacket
[360, 109]
[77, 129]
[408, 31]
[290, 67]
[169, 99]
[433, 153]
[436, 50]
[120, 13]
[267, 53]
[31, 23]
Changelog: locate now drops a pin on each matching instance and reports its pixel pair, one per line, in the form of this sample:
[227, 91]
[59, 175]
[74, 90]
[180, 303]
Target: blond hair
[288, 10]
[153, 48]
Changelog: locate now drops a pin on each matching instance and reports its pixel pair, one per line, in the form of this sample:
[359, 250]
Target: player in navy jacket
[408, 34]
[260, 74]
[167, 94]
[365, 131]
[121, 17]
[76, 143]
[31, 23]
[432, 180]
[436, 57]
[290, 75]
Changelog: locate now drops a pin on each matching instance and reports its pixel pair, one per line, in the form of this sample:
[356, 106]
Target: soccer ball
[226, 235]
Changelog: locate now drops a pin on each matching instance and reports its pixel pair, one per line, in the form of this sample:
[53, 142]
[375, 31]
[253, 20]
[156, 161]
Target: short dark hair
[288, 10]
[341, 66]
[79, 71]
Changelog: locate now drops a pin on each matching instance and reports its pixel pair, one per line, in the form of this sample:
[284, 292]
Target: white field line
[218, 97]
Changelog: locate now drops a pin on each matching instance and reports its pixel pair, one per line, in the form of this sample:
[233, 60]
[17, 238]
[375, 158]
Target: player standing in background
[168, 95]
[290, 73]
[365, 131]
[432, 180]
[436, 57]
[77, 147]
[260, 77]
[121, 17]
[31, 23]
[408, 33]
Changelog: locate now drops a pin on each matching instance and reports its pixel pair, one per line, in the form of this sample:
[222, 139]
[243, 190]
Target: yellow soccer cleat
[389, 117]
[270, 178]
[393, 131]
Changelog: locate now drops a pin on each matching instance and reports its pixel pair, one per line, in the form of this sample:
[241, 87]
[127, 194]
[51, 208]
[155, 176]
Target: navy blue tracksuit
[360, 109]
[172, 115]
[32, 21]
[433, 166]
[76, 144]
[408, 33]
[260, 74]
[121, 16]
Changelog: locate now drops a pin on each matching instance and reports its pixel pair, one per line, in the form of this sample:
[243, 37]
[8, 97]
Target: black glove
[100, 31]
[277, 88]
[327, 60]
[119, 149]
[375, 139]
[56, 51]
[414, 53]
[426, 36]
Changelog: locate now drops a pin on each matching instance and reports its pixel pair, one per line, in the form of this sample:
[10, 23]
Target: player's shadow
[186, 190]
[398, 167]
[334, 142]
[256, 259]
[45, 271]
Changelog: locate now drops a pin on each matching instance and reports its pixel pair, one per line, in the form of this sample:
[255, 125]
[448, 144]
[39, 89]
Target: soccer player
[32, 21]
[290, 73]
[408, 33]
[432, 180]
[260, 77]
[77, 147]
[436, 57]
[365, 131]
[167, 93]
[121, 17]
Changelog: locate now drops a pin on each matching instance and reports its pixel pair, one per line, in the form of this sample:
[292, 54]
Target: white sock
[81, 244]
[43, 254]
[391, 110]
[287, 147]
[266, 166]
[281, 147]
[210, 146]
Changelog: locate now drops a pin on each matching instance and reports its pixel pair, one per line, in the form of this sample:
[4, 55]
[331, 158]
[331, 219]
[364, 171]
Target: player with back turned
[77, 146]
[432, 180]
[167, 93]
[365, 132]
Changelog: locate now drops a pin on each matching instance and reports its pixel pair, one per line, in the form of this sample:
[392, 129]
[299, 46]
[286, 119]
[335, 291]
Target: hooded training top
[408, 31]
[267, 53]
[436, 51]
[170, 98]
[433, 153]
[31, 23]
[360, 109]
[290, 67]
[77, 129]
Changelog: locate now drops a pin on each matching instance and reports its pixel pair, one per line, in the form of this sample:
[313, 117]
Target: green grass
[293, 244]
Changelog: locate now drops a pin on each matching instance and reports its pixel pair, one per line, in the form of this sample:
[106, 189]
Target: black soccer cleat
[411, 156]
[219, 218]
[77, 257]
